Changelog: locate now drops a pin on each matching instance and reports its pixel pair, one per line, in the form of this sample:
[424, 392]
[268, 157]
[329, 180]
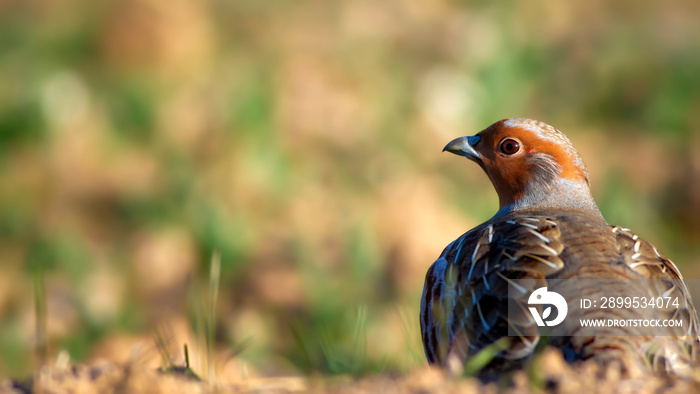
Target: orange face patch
[510, 173]
[541, 138]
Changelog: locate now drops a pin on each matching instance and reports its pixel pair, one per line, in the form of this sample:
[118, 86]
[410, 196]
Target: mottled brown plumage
[547, 228]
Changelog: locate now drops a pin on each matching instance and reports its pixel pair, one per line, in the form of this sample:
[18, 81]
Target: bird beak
[464, 146]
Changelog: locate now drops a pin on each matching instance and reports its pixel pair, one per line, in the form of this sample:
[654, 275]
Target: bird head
[530, 164]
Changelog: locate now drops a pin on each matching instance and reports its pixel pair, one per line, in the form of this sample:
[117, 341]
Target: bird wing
[466, 294]
[467, 304]
[645, 260]
[678, 353]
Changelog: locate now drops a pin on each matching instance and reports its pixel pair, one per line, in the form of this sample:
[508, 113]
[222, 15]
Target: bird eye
[510, 147]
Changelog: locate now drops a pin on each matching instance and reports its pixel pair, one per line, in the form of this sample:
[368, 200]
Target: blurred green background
[302, 140]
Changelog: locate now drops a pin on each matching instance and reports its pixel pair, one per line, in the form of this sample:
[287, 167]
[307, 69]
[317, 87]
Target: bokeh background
[302, 141]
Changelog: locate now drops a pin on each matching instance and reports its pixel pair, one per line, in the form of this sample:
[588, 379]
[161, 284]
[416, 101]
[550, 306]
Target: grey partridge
[548, 229]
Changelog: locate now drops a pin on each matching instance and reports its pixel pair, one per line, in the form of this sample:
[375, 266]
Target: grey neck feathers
[559, 193]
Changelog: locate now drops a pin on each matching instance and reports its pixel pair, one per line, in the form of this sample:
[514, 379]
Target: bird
[549, 234]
